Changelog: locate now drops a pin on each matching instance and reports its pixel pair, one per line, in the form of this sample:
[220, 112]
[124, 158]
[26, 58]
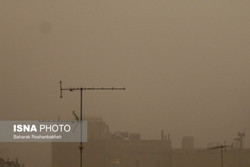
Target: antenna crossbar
[89, 88]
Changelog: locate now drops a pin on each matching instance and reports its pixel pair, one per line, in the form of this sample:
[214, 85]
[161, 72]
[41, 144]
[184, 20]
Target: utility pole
[81, 89]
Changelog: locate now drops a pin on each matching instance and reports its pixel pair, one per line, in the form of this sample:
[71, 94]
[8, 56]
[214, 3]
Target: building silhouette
[124, 149]
[118, 149]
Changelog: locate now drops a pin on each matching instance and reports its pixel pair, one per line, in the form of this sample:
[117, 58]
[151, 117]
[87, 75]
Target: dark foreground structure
[123, 149]
[8, 163]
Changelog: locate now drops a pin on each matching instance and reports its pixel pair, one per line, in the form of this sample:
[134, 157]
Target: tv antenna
[221, 147]
[81, 89]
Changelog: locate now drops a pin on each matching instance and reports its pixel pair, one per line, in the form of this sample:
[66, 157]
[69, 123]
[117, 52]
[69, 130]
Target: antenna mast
[81, 89]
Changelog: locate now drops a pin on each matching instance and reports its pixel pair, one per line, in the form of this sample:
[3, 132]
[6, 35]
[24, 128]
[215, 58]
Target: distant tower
[241, 137]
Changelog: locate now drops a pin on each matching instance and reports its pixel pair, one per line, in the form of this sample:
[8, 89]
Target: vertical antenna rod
[81, 90]
[60, 89]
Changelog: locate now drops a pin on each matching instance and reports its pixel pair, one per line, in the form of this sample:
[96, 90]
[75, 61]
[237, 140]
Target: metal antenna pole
[221, 154]
[81, 146]
[81, 90]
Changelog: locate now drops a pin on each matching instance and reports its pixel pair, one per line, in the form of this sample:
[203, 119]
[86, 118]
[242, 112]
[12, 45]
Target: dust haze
[185, 66]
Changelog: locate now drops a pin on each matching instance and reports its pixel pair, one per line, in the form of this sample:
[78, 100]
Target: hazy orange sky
[185, 64]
